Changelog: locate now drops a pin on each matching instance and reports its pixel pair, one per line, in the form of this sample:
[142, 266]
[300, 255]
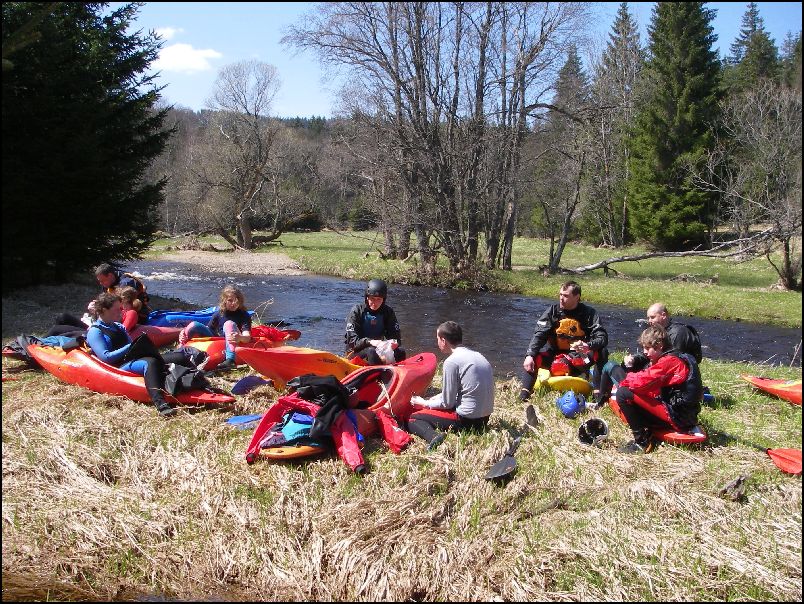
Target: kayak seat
[368, 386]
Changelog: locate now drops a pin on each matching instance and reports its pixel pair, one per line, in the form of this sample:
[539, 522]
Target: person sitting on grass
[682, 338]
[467, 399]
[666, 394]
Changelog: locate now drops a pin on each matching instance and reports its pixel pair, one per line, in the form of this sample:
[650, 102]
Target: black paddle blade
[507, 465]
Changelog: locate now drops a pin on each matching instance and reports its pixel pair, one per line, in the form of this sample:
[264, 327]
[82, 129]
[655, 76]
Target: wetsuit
[556, 330]
[110, 342]
[364, 325]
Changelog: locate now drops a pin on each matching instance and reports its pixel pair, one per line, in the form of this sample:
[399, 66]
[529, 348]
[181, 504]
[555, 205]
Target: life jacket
[570, 363]
[684, 400]
[118, 337]
[568, 331]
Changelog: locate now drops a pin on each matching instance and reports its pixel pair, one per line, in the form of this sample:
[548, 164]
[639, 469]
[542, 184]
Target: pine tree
[790, 62]
[751, 24]
[673, 127]
[79, 130]
[563, 167]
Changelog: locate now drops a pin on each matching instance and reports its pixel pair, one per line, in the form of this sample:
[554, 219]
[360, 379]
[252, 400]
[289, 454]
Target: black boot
[164, 408]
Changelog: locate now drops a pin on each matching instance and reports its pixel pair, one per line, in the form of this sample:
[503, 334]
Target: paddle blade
[502, 469]
[787, 460]
[506, 466]
[249, 383]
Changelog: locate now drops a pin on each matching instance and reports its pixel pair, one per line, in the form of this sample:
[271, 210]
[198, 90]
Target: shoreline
[248, 263]
[32, 310]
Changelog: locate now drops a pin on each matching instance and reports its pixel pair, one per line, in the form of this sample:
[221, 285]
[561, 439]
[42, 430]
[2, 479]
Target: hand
[529, 364]
[418, 401]
[628, 361]
[394, 344]
[580, 347]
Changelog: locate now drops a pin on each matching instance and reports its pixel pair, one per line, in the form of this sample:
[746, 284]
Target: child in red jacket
[667, 393]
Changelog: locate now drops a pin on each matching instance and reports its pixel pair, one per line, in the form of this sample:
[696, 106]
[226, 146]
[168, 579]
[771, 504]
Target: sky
[201, 37]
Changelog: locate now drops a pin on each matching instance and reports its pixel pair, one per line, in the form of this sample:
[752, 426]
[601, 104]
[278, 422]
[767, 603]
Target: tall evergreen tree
[674, 127]
[790, 61]
[751, 23]
[561, 172]
[79, 130]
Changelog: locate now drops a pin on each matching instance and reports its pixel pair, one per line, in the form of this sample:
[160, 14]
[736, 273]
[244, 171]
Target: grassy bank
[691, 286]
[102, 499]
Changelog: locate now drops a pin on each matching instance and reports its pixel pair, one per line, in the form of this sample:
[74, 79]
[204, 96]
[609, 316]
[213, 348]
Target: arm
[667, 371]
[354, 340]
[392, 331]
[130, 318]
[598, 337]
[540, 334]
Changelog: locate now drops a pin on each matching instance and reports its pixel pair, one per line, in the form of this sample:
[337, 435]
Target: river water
[498, 325]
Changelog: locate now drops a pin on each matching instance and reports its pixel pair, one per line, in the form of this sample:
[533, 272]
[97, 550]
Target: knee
[624, 396]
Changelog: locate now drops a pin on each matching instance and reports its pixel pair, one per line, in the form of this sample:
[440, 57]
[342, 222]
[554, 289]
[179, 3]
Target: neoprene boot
[164, 408]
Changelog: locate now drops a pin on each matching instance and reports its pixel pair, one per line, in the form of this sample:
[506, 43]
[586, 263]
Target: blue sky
[200, 38]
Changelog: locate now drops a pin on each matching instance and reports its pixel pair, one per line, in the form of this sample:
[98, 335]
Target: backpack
[180, 378]
[323, 390]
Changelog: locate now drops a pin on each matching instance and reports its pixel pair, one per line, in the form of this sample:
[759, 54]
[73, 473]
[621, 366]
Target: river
[498, 325]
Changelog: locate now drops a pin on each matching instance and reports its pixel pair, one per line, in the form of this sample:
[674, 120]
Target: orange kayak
[282, 363]
[789, 390]
[82, 368]
[215, 346]
[390, 387]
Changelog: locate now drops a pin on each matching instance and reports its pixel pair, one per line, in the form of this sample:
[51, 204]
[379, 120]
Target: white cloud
[167, 33]
[184, 58]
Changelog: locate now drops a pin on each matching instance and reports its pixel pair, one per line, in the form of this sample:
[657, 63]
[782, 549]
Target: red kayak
[281, 363]
[160, 336]
[789, 390]
[82, 368]
[663, 432]
[391, 387]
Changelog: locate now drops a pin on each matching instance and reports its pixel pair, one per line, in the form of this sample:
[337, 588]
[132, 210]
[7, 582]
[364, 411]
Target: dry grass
[103, 499]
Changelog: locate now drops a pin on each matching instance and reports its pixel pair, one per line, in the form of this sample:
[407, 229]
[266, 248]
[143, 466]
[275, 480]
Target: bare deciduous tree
[234, 167]
[756, 167]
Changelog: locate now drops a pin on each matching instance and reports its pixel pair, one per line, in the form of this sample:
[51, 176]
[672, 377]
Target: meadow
[105, 500]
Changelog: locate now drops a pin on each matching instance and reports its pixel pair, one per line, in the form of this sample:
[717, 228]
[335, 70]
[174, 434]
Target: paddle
[787, 460]
[507, 465]
[244, 421]
[249, 383]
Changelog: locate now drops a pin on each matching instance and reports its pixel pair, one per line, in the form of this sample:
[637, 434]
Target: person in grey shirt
[467, 398]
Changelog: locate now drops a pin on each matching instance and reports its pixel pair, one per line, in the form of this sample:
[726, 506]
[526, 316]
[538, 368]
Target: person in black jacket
[371, 323]
[569, 326]
[681, 339]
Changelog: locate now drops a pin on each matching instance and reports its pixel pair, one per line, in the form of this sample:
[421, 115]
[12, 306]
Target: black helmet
[377, 287]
